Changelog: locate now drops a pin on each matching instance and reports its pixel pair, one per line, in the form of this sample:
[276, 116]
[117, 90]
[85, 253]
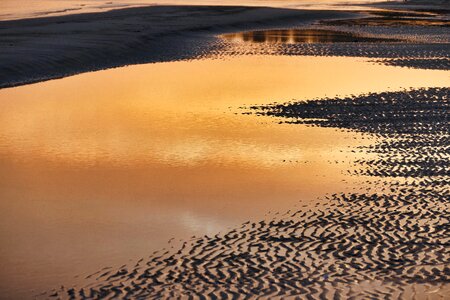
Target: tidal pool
[293, 36]
[105, 167]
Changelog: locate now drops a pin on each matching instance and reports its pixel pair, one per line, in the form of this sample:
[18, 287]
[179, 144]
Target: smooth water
[100, 168]
[294, 36]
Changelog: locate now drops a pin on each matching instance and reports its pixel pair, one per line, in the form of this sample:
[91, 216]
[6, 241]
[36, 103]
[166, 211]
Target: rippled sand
[46, 48]
[385, 240]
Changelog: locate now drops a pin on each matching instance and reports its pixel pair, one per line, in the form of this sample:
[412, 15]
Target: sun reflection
[162, 150]
[148, 116]
[293, 36]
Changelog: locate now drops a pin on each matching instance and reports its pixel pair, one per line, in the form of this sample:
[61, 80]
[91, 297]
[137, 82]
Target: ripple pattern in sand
[369, 245]
[389, 240]
[413, 128]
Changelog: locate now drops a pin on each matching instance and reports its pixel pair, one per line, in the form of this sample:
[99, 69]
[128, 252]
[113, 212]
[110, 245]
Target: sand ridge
[412, 128]
[414, 46]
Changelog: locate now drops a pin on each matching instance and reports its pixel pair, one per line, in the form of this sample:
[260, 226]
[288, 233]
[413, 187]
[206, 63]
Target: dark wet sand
[38, 49]
[413, 128]
[386, 240]
[389, 37]
[33, 50]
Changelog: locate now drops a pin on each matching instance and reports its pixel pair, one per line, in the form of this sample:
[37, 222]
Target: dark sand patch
[366, 245]
[424, 37]
[423, 111]
[413, 127]
[356, 245]
[419, 63]
[33, 50]
[387, 240]
[433, 56]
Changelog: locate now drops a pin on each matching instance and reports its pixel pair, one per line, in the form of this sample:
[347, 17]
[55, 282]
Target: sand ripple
[413, 127]
[363, 245]
[389, 240]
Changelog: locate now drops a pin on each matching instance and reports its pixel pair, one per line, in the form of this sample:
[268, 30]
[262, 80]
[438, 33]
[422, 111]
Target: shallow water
[103, 167]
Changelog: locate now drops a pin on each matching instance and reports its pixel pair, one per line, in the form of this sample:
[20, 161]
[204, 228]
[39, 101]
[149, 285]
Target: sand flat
[344, 195]
[150, 159]
[45, 48]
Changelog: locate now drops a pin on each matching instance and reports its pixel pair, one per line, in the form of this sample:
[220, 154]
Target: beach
[226, 152]
[77, 43]
[39, 49]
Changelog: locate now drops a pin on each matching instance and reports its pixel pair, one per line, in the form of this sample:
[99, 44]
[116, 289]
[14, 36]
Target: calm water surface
[104, 167]
[293, 36]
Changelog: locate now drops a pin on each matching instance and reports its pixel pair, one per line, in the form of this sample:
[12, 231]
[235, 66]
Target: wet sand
[413, 127]
[387, 238]
[45, 48]
[39, 49]
[413, 39]
[117, 168]
[359, 245]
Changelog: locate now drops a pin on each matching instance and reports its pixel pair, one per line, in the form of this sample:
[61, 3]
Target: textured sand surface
[38, 49]
[45, 48]
[387, 240]
[416, 39]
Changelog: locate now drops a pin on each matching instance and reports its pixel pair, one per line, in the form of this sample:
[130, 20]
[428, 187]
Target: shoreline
[34, 50]
[40, 49]
[363, 244]
[361, 241]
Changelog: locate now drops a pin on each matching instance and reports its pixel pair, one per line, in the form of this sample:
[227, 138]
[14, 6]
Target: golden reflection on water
[106, 166]
[293, 36]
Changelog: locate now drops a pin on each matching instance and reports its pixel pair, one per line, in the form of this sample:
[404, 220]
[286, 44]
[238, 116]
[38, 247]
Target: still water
[100, 168]
[294, 36]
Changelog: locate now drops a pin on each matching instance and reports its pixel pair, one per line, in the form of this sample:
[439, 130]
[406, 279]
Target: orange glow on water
[119, 161]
